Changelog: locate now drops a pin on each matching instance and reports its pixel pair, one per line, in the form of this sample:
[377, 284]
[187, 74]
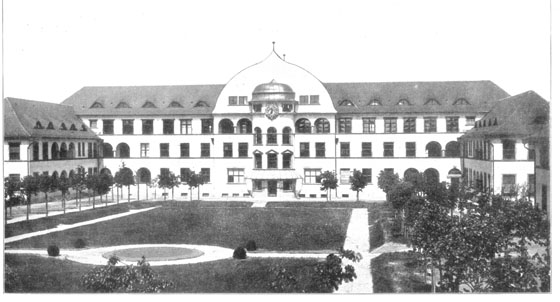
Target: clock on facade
[271, 111]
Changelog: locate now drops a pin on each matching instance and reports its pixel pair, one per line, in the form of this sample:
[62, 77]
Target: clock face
[271, 111]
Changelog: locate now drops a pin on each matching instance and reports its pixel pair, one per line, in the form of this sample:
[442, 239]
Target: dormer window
[484, 123]
[73, 127]
[403, 102]
[461, 101]
[149, 104]
[201, 104]
[432, 102]
[84, 128]
[96, 105]
[346, 103]
[375, 102]
[175, 104]
[38, 125]
[50, 126]
[62, 126]
[123, 105]
[495, 121]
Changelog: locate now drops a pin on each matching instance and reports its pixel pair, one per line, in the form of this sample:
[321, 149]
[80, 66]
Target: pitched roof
[164, 99]
[21, 117]
[478, 94]
[519, 116]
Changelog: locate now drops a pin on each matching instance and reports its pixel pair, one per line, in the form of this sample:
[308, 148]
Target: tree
[103, 185]
[63, 185]
[46, 184]
[30, 186]
[124, 177]
[328, 182]
[91, 184]
[168, 180]
[387, 180]
[78, 183]
[12, 186]
[195, 180]
[357, 182]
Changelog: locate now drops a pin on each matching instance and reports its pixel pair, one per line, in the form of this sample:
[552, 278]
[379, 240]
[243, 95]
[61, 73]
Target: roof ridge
[9, 101]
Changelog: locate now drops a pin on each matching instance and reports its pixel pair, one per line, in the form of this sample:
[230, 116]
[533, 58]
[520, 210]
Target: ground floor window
[345, 176]
[257, 185]
[205, 174]
[311, 176]
[236, 175]
[367, 174]
[287, 185]
[508, 184]
[185, 174]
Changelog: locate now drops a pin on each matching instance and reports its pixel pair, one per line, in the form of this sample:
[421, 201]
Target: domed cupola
[273, 92]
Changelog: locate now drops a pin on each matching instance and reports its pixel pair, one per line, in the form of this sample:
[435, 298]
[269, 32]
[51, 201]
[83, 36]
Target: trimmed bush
[79, 243]
[239, 253]
[251, 245]
[378, 238]
[53, 250]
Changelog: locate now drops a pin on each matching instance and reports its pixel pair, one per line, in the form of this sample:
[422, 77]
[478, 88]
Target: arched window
[412, 175]
[258, 136]
[105, 171]
[322, 125]
[107, 150]
[71, 150]
[145, 175]
[431, 176]
[403, 102]
[434, 149]
[287, 136]
[271, 136]
[244, 126]
[63, 151]
[225, 126]
[35, 151]
[452, 149]
[54, 151]
[303, 126]
[123, 151]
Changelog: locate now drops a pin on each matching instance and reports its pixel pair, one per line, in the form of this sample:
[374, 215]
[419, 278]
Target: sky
[53, 48]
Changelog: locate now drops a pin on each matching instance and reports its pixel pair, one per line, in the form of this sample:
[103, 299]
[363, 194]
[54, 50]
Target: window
[410, 149]
[544, 197]
[345, 176]
[303, 99]
[63, 126]
[243, 149]
[271, 136]
[367, 174]
[287, 107]
[175, 104]
[149, 104]
[286, 136]
[366, 149]
[345, 125]
[403, 102]
[205, 172]
[207, 125]
[345, 149]
[319, 149]
[286, 160]
[452, 124]
[147, 126]
[235, 175]
[185, 172]
[390, 124]
[314, 99]
[257, 107]
[46, 150]
[50, 126]
[531, 154]
[258, 161]
[531, 184]
[204, 150]
[368, 124]
[304, 149]
[322, 126]
[90, 150]
[508, 184]
[272, 160]
[508, 149]
[311, 176]
[430, 124]
[409, 125]
[242, 100]
[164, 150]
[303, 126]
[185, 149]
[128, 126]
[233, 100]
[186, 126]
[228, 150]
[144, 149]
[93, 124]
[168, 126]
[123, 105]
[287, 185]
[14, 150]
[73, 127]
[388, 149]
[432, 102]
[38, 125]
[461, 101]
[470, 121]
[375, 102]
[15, 177]
[258, 136]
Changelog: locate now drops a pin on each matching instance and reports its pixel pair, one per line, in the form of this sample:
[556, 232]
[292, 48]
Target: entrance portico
[266, 184]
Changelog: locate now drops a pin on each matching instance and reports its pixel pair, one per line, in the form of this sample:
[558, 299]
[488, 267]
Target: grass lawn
[318, 204]
[278, 229]
[398, 273]
[224, 276]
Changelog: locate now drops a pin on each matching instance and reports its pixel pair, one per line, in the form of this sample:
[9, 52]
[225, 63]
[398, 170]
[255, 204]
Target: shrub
[53, 250]
[251, 245]
[377, 238]
[239, 253]
[79, 243]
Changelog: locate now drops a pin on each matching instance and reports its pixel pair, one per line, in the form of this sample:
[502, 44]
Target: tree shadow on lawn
[272, 229]
[399, 272]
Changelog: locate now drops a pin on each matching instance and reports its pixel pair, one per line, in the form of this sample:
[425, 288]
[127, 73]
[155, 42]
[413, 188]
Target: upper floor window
[128, 126]
[314, 99]
[368, 124]
[461, 101]
[93, 124]
[243, 149]
[185, 149]
[470, 121]
[14, 151]
[237, 100]
[73, 127]
[304, 149]
[96, 105]
[430, 124]
[175, 104]
[319, 149]
[409, 125]
[207, 125]
[258, 160]
[303, 99]
[50, 126]
[228, 150]
[258, 136]
[164, 150]
[508, 149]
[287, 107]
[390, 124]
[204, 150]
[63, 126]
[186, 126]
[185, 173]
[403, 102]
[144, 149]
[147, 126]
[388, 149]
[366, 149]
[168, 126]
[201, 104]
[410, 149]
[345, 125]
[452, 124]
[286, 160]
[122, 105]
[345, 149]
[272, 160]
[346, 103]
[271, 136]
[38, 125]
[257, 107]
[303, 126]
[322, 125]
[108, 127]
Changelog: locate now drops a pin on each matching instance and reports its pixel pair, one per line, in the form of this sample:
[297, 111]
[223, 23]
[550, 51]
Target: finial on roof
[273, 46]
[284, 55]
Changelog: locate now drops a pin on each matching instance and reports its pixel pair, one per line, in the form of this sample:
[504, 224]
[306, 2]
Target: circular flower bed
[154, 253]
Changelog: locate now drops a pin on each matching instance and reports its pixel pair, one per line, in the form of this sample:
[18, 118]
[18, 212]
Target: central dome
[273, 92]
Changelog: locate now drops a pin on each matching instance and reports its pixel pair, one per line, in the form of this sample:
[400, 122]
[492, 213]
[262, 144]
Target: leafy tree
[387, 180]
[168, 180]
[103, 185]
[30, 186]
[195, 180]
[91, 184]
[11, 187]
[125, 279]
[78, 183]
[63, 185]
[328, 182]
[357, 182]
[124, 177]
[46, 184]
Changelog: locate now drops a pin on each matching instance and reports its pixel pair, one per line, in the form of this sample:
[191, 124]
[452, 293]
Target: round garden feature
[154, 253]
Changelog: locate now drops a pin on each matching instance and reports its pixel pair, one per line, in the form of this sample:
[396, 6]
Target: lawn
[278, 229]
[398, 273]
[224, 276]
[318, 204]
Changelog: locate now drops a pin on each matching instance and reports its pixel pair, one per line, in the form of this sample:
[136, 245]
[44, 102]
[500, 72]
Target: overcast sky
[53, 48]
